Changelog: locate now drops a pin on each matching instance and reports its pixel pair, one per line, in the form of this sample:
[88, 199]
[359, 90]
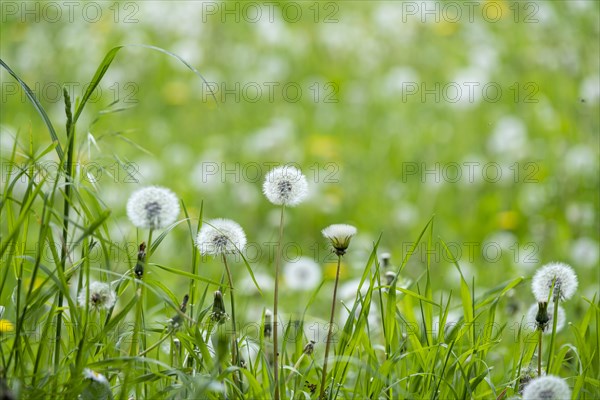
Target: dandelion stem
[551, 347]
[142, 295]
[540, 354]
[235, 349]
[139, 329]
[330, 330]
[275, 301]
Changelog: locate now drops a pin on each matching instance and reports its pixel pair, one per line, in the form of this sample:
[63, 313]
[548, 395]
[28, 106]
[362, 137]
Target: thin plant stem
[143, 297]
[551, 347]
[540, 354]
[235, 349]
[139, 328]
[68, 167]
[330, 330]
[275, 303]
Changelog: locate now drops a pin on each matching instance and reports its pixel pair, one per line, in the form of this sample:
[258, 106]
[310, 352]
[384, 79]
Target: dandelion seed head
[248, 352]
[167, 346]
[385, 259]
[218, 313]
[548, 387]
[302, 274]
[532, 322]
[97, 387]
[268, 327]
[527, 374]
[309, 348]
[339, 235]
[95, 376]
[220, 236]
[389, 277]
[561, 275]
[285, 185]
[101, 296]
[153, 207]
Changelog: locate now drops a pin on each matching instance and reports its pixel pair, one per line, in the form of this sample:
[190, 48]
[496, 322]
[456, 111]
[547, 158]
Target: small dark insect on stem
[141, 261]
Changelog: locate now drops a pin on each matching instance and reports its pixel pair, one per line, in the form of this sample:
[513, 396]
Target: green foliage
[429, 333]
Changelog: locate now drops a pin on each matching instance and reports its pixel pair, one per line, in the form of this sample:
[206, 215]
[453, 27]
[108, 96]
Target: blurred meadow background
[485, 115]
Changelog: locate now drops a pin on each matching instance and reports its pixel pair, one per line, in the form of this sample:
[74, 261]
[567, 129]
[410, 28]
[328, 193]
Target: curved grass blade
[38, 107]
[107, 61]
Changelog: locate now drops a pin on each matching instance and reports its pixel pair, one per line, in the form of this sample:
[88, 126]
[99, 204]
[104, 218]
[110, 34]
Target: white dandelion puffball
[339, 235]
[101, 296]
[153, 207]
[98, 387]
[547, 388]
[94, 376]
[285, 185]
[531, 322]
[220, 236]
[302, 274]
[563, 277]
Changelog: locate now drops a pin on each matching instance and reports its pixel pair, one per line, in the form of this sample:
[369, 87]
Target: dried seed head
[309, 348]
[339, 235]
[218, 313]
[268, 328]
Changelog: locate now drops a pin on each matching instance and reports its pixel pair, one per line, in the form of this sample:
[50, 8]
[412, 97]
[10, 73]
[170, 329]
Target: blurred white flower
[167, 346]
[581, 214]
[581, 160]
[264, 280]
[405, 214]
[247, 193]
[146, 168]
[558, 274]
[585, 251]
[590, 89]
[94, 376]
[373, 315]
[220, 236]
[385, 259]
[339, 235]
[509, 138]
[248, 353]
[399, 80]
[504, 240]
[547, 387]
[302, 274]
[532, 198]
[285, 185]
[452, 320]
[349, 289]
[101, 296]
[98, 387]
[278, 135]
[153, 207]
[532, 323]
[7, 140]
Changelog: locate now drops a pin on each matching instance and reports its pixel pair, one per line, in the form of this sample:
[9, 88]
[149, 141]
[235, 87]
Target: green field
[462, 138]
